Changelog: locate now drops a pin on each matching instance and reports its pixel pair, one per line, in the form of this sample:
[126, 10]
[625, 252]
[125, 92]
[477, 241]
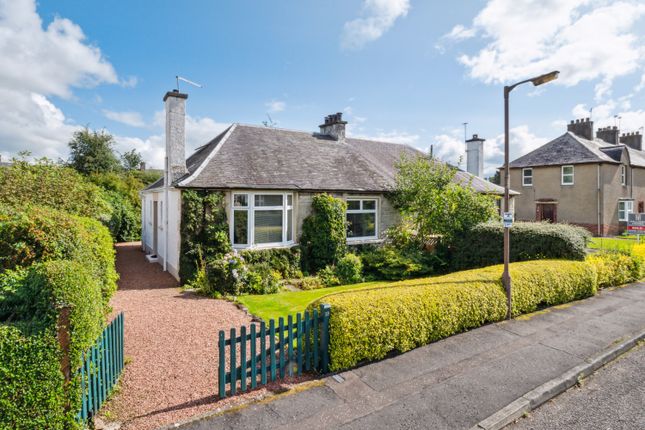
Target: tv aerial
[188, 81]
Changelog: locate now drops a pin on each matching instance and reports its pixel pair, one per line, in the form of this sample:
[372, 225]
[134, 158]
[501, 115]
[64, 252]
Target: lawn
[270, 306]
[613, 243]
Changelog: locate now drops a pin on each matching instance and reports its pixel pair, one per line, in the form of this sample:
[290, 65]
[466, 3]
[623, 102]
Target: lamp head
[543, 79]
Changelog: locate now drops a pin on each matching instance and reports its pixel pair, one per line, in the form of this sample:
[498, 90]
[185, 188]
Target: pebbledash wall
[387, 216]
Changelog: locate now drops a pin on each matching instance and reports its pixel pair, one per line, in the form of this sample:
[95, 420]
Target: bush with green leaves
[232, 275]
[204, 230]
[307, 283]
[368, 325]
[616, 267]
[286, 261]
[349, 269]
[483, 245]
[391, 263]
[328, 276]
[324, 233]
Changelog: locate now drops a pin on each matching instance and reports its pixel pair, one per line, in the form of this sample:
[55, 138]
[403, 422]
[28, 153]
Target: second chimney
[475, 155]
[608, 134]
[582, 128]
[175, 135]
[633, 140]
[334, 127]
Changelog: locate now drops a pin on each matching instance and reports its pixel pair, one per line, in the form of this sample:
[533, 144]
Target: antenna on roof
[591, 112]
[617, 118]
[270, 123]
[465, 131]
[179, 78]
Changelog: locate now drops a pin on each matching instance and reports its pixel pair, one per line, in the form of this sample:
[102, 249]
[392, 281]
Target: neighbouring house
[575, 178]
[269, 177]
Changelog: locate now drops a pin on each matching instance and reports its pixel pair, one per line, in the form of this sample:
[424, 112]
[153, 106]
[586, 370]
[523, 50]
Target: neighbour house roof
[255, 157]
[573, 149]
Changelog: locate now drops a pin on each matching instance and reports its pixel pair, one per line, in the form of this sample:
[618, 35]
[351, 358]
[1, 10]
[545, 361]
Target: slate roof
[255, 157]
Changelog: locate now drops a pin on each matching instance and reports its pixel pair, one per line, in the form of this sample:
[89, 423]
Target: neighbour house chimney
[175, 135]
[633, 140]
[608, 134]
[582, 128]
[334, 127]
[475, 156]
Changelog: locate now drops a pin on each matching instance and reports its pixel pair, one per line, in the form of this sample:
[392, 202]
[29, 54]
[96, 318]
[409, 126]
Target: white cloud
[276, 106]
[586, 40]
[392, 136]
[39, 63]
[129, 82]
[378, 17]
[133, 119]
[612, 113]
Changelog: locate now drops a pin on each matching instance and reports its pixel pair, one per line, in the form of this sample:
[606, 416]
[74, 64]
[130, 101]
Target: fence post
[325, 311]
[221, 378]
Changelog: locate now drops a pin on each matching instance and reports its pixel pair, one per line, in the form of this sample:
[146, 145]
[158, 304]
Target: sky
[405, 71]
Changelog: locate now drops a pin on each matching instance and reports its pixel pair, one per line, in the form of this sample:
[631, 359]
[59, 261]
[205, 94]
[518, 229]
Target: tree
[131, 160]
[430, 198]
[91, 152]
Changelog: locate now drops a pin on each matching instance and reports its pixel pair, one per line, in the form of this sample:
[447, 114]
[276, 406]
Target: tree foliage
[131, 160]
[429, 197]
[91, 151]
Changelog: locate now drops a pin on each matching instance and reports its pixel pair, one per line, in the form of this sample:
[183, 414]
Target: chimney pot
[582, 128]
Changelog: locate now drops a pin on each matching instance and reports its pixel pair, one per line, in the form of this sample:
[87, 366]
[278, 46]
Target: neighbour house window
[262, 219]
[362, 219]
[527, 177]
[625, 207]
[567, 175]
[623, 174]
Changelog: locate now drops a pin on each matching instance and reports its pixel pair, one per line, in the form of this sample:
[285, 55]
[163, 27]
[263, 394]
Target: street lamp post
[506, 276]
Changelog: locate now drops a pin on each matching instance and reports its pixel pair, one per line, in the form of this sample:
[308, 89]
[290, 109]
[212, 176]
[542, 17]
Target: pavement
[613, 398]
[459, 381]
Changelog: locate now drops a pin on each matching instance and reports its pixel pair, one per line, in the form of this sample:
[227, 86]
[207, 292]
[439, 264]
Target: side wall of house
[173, 214]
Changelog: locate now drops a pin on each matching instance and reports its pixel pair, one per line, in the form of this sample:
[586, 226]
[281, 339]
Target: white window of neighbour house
[625, 207]
[527, 177]
[362, 219]
[262, 219]
[623, 174]
[567, 175]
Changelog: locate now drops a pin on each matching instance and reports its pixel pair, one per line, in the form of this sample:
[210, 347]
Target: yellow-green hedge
[367, 325]
[618, 267]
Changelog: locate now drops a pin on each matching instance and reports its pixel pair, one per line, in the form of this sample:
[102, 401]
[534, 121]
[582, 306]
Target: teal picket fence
[266, 354]
[101, 367]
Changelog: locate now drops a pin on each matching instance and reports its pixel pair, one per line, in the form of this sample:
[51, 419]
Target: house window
[625, 207]
[362, 219]
[567, 175]
[527, 177]
[262, 219]
[623, 174]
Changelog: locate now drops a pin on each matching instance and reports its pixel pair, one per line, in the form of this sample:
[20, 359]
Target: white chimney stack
[175, 135]
[475, 156]
[334, 127]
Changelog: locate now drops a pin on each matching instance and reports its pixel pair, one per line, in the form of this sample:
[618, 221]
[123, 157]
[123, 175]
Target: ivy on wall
[204, 230]
[324, 233]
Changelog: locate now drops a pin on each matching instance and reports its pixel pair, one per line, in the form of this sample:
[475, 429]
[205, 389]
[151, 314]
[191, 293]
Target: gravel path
[170, 347]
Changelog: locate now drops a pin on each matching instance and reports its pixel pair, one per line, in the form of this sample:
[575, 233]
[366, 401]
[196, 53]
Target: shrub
[42, 234]
[390, 263]
[32, 394]
[308, 283]
[483, 245]
[616, 268]
[328, 277]
[231, 275]
[349, 269]
[324, 233]
[286, 261]
[369, 324]
[204, 230]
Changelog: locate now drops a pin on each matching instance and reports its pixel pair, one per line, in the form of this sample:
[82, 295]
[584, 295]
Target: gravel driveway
[170, 346]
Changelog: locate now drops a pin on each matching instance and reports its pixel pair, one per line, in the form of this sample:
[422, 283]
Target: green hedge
[324, 233]
[286, 261]
[40, 234]
[370, 324]
[32, 394]
[483, 245]
[616, 268]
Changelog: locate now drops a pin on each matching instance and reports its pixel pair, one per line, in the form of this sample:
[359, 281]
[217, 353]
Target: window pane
[241, 200]
[268, 226]
[240, 227]
[289, 200]
[353, 205]
[567, 170]
[361, 224]
[369, 204]
[268, 200]
[289, 225]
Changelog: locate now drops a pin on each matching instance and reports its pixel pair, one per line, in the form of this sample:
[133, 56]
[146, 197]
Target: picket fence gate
[101, 367]
[294, 347]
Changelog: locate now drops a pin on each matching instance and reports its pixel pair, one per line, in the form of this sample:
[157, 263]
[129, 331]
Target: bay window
[262, 219]
[362, 219]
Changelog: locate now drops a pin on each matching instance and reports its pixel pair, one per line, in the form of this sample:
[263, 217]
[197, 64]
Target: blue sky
[408, 71]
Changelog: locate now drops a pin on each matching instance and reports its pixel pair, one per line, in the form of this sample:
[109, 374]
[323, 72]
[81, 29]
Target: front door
[154, 227]
[546, 212]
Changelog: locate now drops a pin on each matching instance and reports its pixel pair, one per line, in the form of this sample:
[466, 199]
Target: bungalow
[269, 177]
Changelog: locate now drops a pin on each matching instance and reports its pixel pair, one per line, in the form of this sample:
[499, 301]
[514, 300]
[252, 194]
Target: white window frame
[250, 220]
[375, 211]
[623, 175]
[524, 176]
[628, 208]
[562, 174]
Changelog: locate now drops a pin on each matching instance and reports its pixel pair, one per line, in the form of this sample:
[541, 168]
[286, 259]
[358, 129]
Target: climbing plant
[324, 233]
